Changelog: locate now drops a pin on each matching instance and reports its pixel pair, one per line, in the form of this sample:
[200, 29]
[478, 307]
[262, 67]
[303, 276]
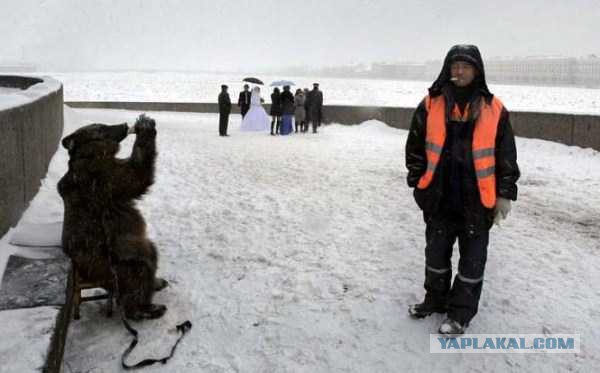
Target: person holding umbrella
[244, 100]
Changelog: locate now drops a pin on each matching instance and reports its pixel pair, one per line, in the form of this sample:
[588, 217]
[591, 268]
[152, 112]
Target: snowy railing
[31, 125]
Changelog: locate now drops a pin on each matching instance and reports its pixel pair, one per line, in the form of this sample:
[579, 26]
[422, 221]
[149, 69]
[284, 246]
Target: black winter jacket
[453, 193]
[275, 104]
[287, 103]
[434, 200]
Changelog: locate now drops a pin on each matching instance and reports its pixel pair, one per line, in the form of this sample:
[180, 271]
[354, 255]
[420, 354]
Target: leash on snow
[183, 328]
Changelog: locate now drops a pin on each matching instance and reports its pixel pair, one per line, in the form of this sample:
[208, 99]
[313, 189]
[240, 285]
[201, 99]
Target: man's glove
[501, 210]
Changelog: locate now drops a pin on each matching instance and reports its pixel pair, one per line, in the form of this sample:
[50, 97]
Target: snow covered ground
[197, 87]
[302, 254]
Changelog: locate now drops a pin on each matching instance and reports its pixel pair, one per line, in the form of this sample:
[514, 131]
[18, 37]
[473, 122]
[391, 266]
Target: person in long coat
[307, 106]
[224, 110]
[316, 106]
[300, 112]
[275, 111]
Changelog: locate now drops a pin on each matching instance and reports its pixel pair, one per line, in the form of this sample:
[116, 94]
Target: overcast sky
[231, 35]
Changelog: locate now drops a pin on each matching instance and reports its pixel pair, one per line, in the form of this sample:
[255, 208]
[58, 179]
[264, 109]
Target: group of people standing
[303, 107]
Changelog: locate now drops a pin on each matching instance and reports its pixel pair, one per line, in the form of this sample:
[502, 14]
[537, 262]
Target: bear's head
[95, 140]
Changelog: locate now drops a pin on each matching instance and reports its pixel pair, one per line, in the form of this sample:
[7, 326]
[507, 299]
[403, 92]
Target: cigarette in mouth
[453, 79]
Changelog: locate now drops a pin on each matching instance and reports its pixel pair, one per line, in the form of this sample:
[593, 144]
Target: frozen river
[197, 87]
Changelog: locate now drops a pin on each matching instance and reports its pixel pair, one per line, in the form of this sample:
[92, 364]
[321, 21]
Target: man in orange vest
[462, 163]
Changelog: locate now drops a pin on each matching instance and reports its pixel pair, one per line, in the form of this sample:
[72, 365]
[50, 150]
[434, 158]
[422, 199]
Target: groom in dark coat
[244, 101]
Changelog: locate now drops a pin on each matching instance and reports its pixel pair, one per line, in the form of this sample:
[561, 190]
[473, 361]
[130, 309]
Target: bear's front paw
[149, 311]
[144, 123]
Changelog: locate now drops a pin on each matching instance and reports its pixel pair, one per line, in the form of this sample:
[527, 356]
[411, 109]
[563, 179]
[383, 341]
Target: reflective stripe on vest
[483, 147]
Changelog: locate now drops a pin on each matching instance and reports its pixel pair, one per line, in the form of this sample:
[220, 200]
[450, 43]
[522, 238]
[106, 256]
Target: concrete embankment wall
[569, 129]
[31, 126]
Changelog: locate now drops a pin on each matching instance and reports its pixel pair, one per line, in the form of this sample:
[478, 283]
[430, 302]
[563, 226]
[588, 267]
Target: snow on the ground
[25, 338]
[8, 90]
[203, 87]
[302, 254]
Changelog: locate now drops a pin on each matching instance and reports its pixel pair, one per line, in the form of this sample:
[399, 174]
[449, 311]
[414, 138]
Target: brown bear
[103, 232]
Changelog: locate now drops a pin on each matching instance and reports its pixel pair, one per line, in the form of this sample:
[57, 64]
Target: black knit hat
[467, 53]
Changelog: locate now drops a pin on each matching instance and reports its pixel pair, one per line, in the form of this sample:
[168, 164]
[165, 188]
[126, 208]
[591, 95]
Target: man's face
[462, 73]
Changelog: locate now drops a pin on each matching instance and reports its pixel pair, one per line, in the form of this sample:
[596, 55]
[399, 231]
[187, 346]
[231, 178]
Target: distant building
[533, 70]
[555, 71]
[410, 71]
[587, 72]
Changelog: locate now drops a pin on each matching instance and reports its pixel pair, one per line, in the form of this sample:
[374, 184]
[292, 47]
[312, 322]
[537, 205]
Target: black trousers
[316, 120]
[223, 122]
[462, 298]
[244, 109]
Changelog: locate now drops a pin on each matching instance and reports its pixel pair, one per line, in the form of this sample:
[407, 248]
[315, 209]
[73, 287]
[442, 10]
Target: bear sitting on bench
[103, 232]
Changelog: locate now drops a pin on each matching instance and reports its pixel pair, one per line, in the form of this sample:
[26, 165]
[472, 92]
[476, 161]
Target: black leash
[183, 328]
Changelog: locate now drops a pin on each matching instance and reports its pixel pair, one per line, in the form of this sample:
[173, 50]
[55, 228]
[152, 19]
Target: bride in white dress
[256, 119]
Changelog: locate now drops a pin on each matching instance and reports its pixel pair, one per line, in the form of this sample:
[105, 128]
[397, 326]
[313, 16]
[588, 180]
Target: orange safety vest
[483, 147]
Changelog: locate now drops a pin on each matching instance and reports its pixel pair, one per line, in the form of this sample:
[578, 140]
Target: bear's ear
[68, 142]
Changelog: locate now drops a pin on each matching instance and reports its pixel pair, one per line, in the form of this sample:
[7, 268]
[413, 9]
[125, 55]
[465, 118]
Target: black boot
[437, 285]
[452, 328]
[421, 310]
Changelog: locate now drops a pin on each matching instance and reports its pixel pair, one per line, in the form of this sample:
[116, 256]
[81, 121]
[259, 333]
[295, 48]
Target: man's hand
[501, 210]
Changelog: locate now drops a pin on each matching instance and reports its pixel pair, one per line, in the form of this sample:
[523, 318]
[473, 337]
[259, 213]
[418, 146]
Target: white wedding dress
[256, 119]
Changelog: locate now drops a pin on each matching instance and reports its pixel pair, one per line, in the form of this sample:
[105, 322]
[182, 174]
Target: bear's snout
[117, 132]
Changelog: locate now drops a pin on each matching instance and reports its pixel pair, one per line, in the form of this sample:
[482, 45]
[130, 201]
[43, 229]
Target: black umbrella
[253, 80]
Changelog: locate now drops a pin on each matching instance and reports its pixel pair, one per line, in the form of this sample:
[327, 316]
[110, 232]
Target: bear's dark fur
[103, 233]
